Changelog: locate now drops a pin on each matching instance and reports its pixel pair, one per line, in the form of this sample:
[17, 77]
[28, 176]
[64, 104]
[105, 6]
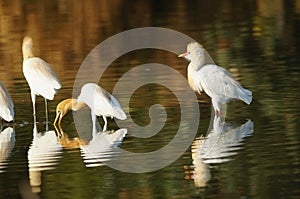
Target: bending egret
[212, 79]
[40, 76]
[98, 99]
[6, 104]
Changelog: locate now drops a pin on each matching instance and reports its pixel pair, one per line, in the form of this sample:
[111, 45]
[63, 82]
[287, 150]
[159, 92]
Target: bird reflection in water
[43, 154]
[222, 142]
[66, 141]
[102, 147]
[7, 143]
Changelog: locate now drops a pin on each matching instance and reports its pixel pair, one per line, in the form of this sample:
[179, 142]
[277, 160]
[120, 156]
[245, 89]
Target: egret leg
[105, 123]
[216, 106]
[94, 117]
[33, 105]
[218, 113]
[35, 131]
[46, 111]
[1, 124]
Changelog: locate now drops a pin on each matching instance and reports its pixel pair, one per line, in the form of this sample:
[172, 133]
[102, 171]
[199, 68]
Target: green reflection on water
[256, 40]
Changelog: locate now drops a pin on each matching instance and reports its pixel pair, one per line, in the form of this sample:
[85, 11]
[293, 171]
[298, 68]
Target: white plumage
[101, 103]
[40, 76]
[215, 81]
[6, 104]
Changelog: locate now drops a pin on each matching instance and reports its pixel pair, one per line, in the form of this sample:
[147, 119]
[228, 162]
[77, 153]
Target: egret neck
[27, 48]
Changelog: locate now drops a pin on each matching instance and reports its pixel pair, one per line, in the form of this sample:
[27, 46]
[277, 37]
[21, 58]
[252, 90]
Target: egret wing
[100, 101]
[216, 80]
[41, 77]
[6, 104]
[108, 105]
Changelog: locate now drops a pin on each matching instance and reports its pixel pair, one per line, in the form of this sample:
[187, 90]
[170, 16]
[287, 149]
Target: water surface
[254, 153]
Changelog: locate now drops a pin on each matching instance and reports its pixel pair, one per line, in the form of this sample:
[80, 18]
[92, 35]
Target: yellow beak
[183, 54]
[57, 118]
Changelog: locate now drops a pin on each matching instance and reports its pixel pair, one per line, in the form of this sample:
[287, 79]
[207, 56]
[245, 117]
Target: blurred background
[256, 40]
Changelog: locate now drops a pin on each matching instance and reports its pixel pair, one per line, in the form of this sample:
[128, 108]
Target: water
[255, 154]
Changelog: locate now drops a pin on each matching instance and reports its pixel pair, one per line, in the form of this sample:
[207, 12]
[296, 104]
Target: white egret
[216, 82]
[100, 101]
[40, 76]
[6, 104]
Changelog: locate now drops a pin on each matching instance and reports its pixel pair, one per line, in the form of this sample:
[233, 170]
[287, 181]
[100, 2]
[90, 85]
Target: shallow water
[253, 154]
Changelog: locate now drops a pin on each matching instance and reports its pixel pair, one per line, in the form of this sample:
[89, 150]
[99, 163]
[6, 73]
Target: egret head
[27, 39]
[27, 47]
[195, 53]
[65, 106]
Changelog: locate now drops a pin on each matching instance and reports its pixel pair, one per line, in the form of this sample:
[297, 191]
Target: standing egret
[215, 81]
[40, 76]
[6, 104]
[100, 101]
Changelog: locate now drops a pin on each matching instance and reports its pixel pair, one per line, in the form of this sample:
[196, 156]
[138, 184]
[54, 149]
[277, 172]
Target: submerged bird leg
[105, 123]
[33, 105]
[46, 109]
[94, 118]
[1, 124]
[218, 113]
[46, 112]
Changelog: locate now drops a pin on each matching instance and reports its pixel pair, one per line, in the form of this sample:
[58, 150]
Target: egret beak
[56, 130]
[58, 117]
[183, 54]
